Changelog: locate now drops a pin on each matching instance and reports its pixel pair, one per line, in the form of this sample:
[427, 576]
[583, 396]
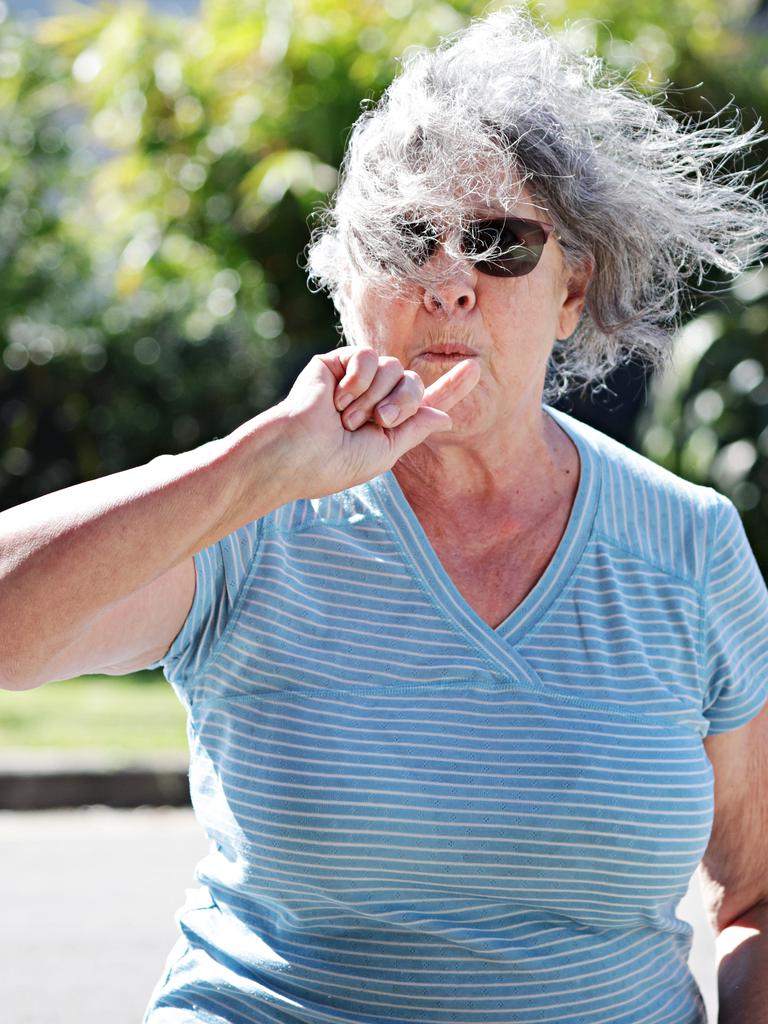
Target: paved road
[88, 899]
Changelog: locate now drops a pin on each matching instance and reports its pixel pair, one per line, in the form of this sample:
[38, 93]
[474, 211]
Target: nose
[455, 294]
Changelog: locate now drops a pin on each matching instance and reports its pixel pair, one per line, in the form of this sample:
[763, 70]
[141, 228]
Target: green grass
[139, 713]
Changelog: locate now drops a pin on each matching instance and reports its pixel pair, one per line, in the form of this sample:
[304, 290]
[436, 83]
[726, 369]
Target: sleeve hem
[179, 641]
[714, 513]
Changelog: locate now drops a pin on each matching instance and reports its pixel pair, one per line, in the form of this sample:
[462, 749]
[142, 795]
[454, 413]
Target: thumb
[413, 431]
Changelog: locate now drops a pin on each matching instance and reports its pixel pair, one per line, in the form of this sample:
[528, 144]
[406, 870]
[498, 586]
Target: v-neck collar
[405, 527]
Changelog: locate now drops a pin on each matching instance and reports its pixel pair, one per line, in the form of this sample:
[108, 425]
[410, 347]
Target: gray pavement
[88, 899]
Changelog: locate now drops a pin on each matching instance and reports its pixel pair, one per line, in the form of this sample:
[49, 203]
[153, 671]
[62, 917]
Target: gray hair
[652, 200]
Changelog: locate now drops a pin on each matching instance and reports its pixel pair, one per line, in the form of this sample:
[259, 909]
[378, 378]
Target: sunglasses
[508, 246]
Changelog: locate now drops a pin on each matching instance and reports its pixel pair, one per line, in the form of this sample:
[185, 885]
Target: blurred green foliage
[156, 176]
[135, 714]
[708, 415]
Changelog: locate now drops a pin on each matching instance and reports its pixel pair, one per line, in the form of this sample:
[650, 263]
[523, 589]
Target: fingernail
[356, 419]
[342, 401]
[388, 414]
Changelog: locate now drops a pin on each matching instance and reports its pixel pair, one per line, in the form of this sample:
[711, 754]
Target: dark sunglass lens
[514, 246]
[420, 238]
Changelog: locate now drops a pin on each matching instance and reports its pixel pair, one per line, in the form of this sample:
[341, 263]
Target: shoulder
[343, 509]
[646, 509]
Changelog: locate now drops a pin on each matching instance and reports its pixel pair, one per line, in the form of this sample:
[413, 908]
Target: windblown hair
[652, 200]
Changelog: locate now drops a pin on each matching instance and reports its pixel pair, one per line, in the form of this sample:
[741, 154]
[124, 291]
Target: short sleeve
[220, 572]
[735, 626]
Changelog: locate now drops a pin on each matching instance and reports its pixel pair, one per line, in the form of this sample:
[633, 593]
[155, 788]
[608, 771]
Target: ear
[576, 285]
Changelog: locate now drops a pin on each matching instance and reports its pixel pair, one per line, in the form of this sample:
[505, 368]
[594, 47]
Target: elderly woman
[470, 696]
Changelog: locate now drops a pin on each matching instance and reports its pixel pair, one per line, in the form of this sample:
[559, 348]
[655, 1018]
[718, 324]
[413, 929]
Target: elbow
[8, 683]
[12, 682]
[742, 937]
[753, 917]
[14, 675]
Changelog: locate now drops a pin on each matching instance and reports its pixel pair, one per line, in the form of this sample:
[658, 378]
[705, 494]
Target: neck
[511, 470]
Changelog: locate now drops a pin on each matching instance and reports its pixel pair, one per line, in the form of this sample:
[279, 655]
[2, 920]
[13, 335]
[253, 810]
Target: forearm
[69, 555]
[80, 564]
[743, 969]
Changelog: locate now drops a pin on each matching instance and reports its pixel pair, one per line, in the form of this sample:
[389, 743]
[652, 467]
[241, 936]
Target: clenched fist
[354, 413]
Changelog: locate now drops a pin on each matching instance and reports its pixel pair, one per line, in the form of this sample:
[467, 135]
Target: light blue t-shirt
[418, 819]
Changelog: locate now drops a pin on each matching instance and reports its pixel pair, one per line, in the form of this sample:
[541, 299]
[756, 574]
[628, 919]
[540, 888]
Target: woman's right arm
[99, 577]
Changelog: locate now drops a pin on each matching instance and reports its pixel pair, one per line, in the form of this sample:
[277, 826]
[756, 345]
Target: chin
[470, 419]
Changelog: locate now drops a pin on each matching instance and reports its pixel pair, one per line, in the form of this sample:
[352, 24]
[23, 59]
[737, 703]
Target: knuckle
[414, 380]
[365, 355]
[390, 363]
[390, 373]
[362, 365]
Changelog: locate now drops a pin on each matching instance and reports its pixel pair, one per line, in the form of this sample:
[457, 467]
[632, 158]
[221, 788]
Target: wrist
[259, 466]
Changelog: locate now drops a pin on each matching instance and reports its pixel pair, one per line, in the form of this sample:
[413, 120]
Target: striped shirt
[418, 818]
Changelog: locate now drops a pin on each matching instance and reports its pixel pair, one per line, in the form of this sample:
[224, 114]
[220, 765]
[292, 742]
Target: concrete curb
[44, 780]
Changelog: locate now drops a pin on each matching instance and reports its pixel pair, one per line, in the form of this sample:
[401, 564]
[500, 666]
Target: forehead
[520, 203]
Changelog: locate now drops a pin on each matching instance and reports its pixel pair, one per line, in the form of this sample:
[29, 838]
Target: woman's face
[507, 324]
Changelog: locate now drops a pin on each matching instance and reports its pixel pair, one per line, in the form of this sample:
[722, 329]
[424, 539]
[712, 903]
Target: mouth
[447, 351]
